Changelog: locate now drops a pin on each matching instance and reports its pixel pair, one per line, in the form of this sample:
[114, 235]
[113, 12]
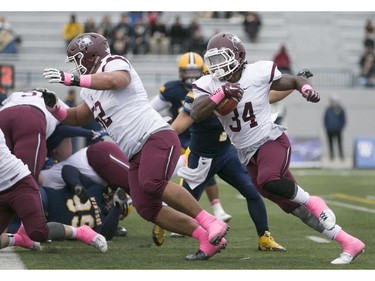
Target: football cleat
[121, 231]
[177, 235]
[23, 240]
[88, 236]
[351, 251]
[224, 217]
[328, 219]
[267, 243]
[158, 235]
[200, 255]
[216, 231]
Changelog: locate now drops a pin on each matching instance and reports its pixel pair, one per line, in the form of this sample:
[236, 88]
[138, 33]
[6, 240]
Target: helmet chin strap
[97, 59]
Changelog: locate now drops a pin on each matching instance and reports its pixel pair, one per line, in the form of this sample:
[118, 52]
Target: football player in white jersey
[262, 145]
[113, 95]
[19, 195]
[26, 124]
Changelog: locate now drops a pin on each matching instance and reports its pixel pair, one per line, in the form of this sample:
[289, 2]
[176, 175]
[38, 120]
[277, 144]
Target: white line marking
[318, 239]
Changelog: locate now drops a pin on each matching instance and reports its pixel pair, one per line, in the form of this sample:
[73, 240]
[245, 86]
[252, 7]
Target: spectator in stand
[252, 24]
[8, 40]
[120, 43]
[124, 25]
[72, 29]
[282, 60]
[89, 25]
[369, 34]
[159, 41]
[140, 37]
[178, 35]
[367, 68]
[197, 42]
[334, 124]
[105, 27]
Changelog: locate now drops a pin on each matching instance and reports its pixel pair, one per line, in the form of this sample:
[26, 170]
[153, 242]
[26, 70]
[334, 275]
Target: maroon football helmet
[225, 55]
[86, 51]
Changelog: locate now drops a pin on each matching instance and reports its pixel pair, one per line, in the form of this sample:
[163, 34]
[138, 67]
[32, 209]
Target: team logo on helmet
[235, 40]
[84, 42]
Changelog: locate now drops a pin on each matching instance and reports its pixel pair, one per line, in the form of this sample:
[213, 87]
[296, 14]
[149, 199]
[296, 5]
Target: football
[226, 106]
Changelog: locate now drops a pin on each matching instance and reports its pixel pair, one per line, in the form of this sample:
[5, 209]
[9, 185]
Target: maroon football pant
[270, 163]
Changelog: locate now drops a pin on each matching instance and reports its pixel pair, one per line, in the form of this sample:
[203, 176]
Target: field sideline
[350, 193]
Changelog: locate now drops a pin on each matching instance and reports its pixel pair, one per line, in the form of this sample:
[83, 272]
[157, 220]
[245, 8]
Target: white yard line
[10, 260]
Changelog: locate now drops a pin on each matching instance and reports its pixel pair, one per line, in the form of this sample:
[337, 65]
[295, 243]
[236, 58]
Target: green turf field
[350, 193]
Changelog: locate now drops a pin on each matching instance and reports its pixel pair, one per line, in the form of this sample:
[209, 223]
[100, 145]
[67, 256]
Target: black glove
[305, 73]
[82, 193]
[49, 97]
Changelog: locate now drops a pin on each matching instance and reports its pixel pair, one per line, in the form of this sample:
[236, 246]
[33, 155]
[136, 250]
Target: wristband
[85, 81]
[67, 78]
[60, 114]
[306, 87]
[218, 95]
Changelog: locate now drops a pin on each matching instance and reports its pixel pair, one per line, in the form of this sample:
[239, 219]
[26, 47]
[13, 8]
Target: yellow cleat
[267, 243]
[158, 235]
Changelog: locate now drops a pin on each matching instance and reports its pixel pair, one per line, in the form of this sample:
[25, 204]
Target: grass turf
[350, 193]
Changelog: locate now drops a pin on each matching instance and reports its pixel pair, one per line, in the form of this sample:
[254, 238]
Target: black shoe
[202, 256]
[198, 256]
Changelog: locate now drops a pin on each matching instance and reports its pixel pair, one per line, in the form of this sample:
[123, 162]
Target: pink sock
[202, 236]
[205, 219]
[316, 205]
[342, 237]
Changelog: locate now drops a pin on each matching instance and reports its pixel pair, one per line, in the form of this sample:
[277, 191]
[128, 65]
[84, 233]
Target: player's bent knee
[38, 235]
[154, 188]
[283, 187]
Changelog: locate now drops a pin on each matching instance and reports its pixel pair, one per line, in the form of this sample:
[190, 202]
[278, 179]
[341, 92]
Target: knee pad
[283, 187]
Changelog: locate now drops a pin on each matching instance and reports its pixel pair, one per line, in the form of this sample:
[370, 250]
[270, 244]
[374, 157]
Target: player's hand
[82, 193]
[305, 73]
[58, 76]
[49, 97]
[119, 197]
[311, 95]
[98, 135]
[233, 90]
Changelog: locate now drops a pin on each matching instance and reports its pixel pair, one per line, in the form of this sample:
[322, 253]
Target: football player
[171, 98]
[262, 145]
[19, 195]
[113, 95]
[25, 141]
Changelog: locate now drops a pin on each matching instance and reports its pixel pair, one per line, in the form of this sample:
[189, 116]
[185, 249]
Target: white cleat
[224, 217]
[100, 243]
[328, 219]
[36, 247]
[345, 258]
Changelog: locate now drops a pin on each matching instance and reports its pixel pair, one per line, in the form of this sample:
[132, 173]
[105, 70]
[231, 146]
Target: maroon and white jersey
[250, 124]
[126, 114]
[12, 169]
[52, 177]
[34, 98]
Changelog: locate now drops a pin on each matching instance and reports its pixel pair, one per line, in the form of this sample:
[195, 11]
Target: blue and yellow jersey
[175, 92]
[207, 138]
